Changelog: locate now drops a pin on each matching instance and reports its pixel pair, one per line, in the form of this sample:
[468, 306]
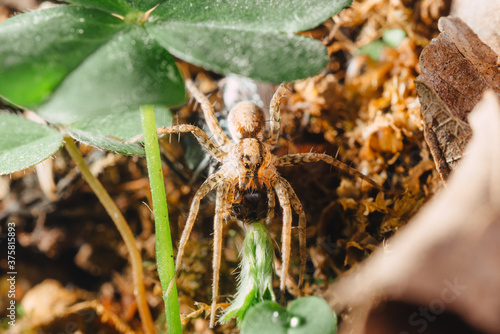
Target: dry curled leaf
[484, 19]
[51, 308]
[457, 67]
[446, 134]
[50, 296]
[440, 273]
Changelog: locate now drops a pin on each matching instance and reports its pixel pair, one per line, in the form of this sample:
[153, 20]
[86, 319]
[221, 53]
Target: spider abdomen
[246, 120]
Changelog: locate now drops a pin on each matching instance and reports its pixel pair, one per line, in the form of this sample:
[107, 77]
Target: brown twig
[123, 228]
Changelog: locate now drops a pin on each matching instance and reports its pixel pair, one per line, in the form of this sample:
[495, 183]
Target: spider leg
[284, 200]
[291, 286]
[300, 158]
[205, 188]
[274, 114]
[297, 207]
[271, 203]
[220, 207]
[231, 199]
[208, 111]
[207, 143]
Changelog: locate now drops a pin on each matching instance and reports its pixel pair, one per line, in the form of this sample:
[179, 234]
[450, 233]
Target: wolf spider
[246, 165]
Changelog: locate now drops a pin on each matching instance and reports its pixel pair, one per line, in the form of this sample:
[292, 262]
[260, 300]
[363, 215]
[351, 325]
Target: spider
[247, 165]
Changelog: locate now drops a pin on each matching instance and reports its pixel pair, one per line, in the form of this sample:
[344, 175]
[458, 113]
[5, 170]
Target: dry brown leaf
[440, 273]
[456, 69]
[47, 300]
[483, 19]
[52, 308]
[20, 5]
[445, 134]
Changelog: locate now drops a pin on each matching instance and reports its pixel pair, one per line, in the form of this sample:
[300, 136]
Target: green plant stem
[164, 250]
[123, 228]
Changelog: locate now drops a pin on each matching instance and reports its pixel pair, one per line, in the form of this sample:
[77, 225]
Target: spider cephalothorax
[247, 164]
[249, 161]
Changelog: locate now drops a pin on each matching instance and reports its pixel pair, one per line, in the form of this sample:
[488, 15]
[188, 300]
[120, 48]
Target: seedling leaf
[314, 316]
[40, 48]
[373, 49]
[262, 55]
[124, 73]
[121, 7]
[265, 318]
[70, 62]
[274, 16]
[393, 37]
[303, 316]
[25, 143]
[245, 36]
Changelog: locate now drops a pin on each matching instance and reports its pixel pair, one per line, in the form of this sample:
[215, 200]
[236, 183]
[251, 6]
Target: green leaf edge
[258, 313]
[57, 142]
[288, 25]
[95, 132]
[267, 308]
[318, 47]
[105, 143]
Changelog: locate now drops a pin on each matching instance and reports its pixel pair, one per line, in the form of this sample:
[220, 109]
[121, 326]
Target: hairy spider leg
[299, 210]
[231, 199]
[207, 186]
[275, 117]
[271, 203]
[221, 200]
[284, 200]
[207, 143]
[208, 111]
[301, 158]
[291, 285]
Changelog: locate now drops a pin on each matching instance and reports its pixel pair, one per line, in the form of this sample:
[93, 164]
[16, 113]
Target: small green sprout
[254, 304]
[256, 273]
[391, 38]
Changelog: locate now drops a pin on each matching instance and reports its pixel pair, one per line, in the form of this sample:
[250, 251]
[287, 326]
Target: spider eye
[258, 165]
[247, 166]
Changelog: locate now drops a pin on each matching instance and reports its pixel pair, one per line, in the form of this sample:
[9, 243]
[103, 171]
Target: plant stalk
[164, 249]
[123, 228]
